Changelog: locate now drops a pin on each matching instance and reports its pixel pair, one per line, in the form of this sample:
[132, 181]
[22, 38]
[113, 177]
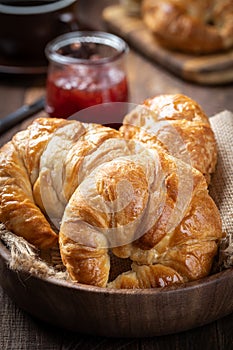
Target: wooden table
[19, 330]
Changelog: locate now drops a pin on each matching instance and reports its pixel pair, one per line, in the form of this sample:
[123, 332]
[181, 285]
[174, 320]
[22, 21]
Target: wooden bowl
[119, 313]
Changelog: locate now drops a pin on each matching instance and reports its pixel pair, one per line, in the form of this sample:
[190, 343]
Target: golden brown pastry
[193, 26]
[146, 276]
[19, 167]
[32, 173]
[103, 192]
[178, 124]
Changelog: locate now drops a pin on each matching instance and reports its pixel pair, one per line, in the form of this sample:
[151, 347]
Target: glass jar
[85, 69]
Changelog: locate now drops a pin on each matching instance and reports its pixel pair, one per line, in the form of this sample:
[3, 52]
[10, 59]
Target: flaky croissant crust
[94, 189]
[179, 126]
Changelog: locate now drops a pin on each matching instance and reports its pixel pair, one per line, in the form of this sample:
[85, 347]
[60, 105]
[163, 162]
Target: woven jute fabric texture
[24, 256]
[221, 187]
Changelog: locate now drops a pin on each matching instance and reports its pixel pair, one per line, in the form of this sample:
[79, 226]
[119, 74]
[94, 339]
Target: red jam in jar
[67, 93]
[86, 69]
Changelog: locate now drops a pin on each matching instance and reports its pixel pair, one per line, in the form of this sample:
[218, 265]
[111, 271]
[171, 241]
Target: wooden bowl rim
[203, 282]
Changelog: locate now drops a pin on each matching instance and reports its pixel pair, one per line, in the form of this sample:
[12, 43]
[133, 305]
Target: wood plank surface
[209, 69]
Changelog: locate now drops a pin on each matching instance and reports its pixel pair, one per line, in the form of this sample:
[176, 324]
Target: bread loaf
[193, 26]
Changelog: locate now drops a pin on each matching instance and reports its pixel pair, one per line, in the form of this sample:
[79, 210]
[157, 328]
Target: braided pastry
[94, 191]
[195, 26]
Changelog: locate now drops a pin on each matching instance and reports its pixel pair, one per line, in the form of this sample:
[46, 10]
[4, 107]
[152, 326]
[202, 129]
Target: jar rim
[96, 37]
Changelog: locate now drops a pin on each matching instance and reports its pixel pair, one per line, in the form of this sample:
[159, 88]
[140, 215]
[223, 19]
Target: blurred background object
[207, 68]
[27, 26]
[132, 7]
[195, 26]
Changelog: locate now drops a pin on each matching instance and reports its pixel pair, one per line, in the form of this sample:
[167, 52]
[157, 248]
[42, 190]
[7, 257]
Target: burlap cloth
[24, 256]
[221, 188]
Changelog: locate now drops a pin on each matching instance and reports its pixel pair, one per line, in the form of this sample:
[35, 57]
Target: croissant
[194, 26]
[178, 124]
[97, 192]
